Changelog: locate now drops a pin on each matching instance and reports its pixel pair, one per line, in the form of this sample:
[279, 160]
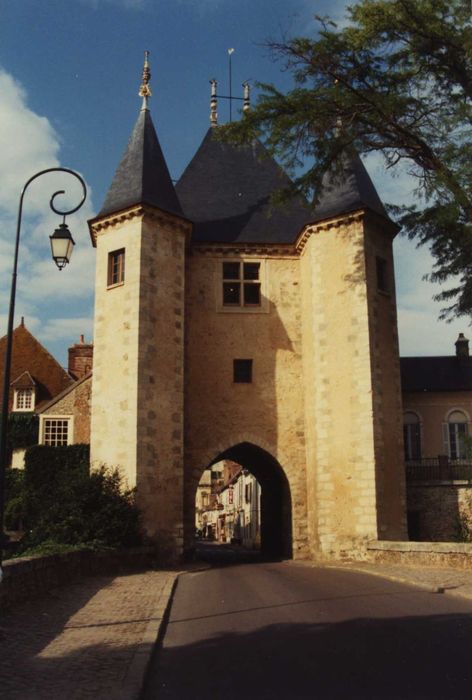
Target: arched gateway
[276, 502]
[221, 319]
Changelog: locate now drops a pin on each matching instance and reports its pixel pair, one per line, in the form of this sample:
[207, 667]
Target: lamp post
[61, 247]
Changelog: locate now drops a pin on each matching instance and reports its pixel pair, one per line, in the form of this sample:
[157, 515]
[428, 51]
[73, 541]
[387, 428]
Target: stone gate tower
[137, 397]
[226, 327]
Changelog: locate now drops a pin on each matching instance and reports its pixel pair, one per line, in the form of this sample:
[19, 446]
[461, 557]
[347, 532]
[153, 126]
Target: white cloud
[29, 144]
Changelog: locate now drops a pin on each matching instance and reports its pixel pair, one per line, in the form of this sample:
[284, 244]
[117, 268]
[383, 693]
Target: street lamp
[61, 247]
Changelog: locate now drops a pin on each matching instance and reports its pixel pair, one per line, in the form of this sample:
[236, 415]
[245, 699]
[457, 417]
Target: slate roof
[142, 177]
[30, 356]
[436, 373]
[226, 189]
[346, 191]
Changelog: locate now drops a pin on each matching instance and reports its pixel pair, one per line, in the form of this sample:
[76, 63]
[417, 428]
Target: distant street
[282, 630]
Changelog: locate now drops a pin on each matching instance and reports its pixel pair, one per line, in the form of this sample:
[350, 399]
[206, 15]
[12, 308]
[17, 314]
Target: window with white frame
[457, 432]
[241, 284]
[56, 432]
[24, 400]
[116, 267]
[411, 436]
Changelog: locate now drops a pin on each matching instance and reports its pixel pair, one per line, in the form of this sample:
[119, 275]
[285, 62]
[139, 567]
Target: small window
[411, 436]
[116, 267]
[241, 284]
[242, 371]
[24, 400]
[248, 493]
[56, 432]
[382, 277]
[458, 431]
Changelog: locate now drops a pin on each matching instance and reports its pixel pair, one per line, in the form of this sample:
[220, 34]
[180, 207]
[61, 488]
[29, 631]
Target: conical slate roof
[142, 176]
[346, 190]
[226, 189]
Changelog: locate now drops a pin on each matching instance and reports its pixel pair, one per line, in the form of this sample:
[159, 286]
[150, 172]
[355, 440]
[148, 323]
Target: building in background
[437, 412]
[48, 405]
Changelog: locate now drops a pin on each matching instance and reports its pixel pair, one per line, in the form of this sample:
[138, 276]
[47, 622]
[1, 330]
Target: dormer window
[24, 393]
[24, 400]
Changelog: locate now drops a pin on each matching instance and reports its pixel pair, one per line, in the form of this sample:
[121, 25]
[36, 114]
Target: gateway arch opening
[243, 501]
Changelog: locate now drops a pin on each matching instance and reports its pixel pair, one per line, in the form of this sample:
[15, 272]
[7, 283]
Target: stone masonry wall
[116, 332]
[76, 403]
[437, 511]
[386, 384]
[268, 412]
[338, 389]
[161, 379]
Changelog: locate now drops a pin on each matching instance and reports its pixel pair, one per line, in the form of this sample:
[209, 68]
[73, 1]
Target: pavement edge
[132, 684]
[133, 681]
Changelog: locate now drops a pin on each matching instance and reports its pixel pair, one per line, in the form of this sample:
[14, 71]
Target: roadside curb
[132, 684]
[133, 681]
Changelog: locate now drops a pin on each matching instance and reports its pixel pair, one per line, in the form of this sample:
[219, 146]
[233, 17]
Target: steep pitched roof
[68, 390]
[29, 355]
[436, 373]
[226, 189]
[24, 381]
[142, 177]
[347, 189]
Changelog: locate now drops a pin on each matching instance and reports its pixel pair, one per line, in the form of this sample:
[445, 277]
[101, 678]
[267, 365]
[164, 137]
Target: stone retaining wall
[457, 555]
[28, 577]
[438, 511]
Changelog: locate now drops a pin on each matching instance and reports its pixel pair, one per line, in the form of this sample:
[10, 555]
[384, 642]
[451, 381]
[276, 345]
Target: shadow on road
[218, 554]
[368, 659]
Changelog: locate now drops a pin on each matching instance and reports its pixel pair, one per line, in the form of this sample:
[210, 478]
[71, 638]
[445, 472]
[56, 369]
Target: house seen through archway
[243, 502]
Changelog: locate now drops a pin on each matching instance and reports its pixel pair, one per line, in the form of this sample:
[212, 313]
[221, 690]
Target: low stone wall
[438, 511]
[438, 554]
[28, 577]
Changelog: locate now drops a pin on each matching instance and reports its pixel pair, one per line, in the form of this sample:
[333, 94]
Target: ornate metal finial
[213, 103]
[246, 98]
[145, 90]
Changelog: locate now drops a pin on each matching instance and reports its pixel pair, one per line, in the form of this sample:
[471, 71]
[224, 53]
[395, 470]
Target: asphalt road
[282, 630]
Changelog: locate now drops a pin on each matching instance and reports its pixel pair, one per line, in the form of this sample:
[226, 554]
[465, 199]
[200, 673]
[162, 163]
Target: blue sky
[69, 76]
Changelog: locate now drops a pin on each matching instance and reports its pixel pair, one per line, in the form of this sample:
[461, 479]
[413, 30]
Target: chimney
[80, 359]
[462, 346]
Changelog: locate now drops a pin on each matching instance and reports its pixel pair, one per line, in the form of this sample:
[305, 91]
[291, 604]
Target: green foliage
[23, 430]
[50, 547]
[14, 498]
[397, 79]
[61, 502]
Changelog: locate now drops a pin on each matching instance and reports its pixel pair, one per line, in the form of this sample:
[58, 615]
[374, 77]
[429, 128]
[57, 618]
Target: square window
[116, 267]
[241, 284]
[56, 432]
[242, 371]
[23, 400]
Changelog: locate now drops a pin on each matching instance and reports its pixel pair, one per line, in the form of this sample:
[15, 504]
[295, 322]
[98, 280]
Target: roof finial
[213, 104]
[145, 90]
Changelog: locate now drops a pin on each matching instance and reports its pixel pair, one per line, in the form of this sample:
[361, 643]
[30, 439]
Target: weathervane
[145, 90]
[214, 96]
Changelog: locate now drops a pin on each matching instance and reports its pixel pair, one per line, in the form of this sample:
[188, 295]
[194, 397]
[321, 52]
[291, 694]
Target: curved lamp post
[62, 245]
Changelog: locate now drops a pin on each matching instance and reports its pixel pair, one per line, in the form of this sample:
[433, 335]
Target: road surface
[285, 630]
